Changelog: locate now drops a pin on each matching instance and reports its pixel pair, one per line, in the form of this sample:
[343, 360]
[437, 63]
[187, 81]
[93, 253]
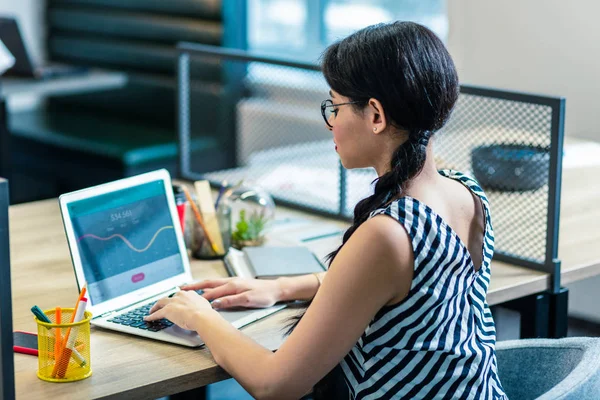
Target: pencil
[199, 219]
[57, 335]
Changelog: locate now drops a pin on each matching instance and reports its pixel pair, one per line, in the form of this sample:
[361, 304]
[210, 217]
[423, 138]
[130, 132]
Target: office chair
[548, 369]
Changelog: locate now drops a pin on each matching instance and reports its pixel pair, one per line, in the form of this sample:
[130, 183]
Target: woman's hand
[238, 292]
[182, 309]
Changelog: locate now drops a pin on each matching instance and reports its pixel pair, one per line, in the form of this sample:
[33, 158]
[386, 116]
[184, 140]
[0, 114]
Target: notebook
[127, 246]
[270, 262]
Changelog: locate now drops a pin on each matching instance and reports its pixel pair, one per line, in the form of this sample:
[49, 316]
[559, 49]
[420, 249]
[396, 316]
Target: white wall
[542, 46]
[30, 16]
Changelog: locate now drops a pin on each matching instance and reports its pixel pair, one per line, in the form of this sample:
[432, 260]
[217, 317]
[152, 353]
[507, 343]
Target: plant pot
[240, 244]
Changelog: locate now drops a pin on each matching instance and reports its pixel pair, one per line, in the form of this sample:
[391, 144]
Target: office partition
[7, 370]
[274, 136]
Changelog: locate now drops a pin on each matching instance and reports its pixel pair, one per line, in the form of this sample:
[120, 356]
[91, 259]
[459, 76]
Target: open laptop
[126, 244]
[11, 36]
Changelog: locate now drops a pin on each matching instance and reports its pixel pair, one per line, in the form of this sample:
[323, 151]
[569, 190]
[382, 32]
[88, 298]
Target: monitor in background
[12, 38]
[7, 369]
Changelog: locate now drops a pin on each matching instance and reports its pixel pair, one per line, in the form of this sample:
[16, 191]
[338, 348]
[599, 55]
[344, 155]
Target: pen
[40, 315]
[323, 236]
[220, 195]
[234, 187]
[61, 366]
[83, 289]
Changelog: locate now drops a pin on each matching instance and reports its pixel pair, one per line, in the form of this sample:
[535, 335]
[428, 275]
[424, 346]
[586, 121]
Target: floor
[508, 325]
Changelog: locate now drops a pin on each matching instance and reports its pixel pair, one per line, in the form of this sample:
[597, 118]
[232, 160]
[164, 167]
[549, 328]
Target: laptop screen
[126, 240]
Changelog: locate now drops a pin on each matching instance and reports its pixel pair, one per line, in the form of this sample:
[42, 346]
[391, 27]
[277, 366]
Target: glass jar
[252, 210]
[199, 245]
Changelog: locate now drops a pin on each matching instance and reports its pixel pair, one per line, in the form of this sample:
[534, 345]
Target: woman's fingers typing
[206, 284]
[224, 290]
[158, 305]
[247, 299]
[237, 292]
[237, 300]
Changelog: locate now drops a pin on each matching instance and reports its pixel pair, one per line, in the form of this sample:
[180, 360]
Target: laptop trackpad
[239, 317]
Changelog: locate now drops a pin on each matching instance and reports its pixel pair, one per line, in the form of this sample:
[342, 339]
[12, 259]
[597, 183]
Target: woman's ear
[376, 116]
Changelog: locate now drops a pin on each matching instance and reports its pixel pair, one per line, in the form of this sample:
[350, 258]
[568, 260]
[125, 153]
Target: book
[270, 262]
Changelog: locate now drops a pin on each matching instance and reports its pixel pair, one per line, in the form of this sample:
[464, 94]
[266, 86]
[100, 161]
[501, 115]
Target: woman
[401, 309]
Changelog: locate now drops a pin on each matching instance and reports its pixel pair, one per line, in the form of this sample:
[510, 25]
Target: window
[303, 28]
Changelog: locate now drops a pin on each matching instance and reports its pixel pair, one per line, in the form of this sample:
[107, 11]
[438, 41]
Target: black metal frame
[7, 368]
[551, 263]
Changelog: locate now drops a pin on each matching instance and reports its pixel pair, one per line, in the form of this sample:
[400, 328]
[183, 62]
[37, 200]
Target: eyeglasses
[327, 109]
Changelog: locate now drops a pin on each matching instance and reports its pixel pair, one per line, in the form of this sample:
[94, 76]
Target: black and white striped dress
[437, 343]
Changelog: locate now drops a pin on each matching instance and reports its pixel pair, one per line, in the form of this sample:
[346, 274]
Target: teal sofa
[79, 140]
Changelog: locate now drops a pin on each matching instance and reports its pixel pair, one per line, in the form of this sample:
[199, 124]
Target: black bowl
[510, 167]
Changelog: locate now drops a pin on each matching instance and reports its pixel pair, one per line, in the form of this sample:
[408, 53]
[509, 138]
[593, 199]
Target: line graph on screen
[125, 240]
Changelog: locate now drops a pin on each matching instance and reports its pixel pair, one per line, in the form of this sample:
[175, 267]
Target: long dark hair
[408, 69]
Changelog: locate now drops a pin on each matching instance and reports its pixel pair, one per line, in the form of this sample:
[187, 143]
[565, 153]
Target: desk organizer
[53, 366]
[276, 138]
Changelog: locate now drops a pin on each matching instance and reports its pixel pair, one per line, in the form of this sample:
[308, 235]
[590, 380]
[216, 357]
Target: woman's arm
[374, 267]
[240, 292]
[300, 287]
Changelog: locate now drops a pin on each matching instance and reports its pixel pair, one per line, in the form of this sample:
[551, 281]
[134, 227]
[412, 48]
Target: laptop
[11, 36]
[127, 246]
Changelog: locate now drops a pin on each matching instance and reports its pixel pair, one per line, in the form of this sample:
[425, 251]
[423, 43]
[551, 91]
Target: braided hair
[408, 69]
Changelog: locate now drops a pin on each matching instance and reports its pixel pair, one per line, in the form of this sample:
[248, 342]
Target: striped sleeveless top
[439, 342]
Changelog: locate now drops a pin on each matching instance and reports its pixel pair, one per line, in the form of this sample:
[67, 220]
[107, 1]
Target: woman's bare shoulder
[384, 241]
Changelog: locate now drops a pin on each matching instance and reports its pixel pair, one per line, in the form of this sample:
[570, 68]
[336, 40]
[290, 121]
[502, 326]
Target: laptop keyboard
[135, 319]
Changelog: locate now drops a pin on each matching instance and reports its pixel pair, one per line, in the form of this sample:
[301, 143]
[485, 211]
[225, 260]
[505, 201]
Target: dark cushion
[137, 37]
[210, 9]
[131, 143]
[135, 25]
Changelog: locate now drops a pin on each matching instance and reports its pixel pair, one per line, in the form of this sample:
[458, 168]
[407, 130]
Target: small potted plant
[249, 231]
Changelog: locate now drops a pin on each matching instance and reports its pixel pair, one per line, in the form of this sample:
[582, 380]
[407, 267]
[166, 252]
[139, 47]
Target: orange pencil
[57, 335]
[60, 360]
[199, 219]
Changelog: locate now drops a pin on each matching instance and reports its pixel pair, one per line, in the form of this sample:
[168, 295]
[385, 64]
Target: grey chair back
[549, 369]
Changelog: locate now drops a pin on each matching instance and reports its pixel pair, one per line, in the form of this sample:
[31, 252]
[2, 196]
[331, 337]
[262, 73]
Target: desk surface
[85, 82]
[128, 367]
[123, 366]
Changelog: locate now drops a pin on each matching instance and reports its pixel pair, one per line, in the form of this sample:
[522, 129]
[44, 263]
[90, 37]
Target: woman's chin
[351, 164]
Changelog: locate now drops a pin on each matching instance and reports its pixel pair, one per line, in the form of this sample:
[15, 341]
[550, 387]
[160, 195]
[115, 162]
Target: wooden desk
[123, 366]
[128, 367]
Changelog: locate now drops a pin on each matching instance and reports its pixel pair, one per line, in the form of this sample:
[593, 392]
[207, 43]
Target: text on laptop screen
[126, 240]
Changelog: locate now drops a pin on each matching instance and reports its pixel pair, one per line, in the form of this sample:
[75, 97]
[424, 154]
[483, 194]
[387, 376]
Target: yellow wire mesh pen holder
[64, 349]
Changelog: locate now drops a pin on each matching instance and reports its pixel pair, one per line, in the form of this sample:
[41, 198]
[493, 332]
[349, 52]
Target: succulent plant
[249, 229]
